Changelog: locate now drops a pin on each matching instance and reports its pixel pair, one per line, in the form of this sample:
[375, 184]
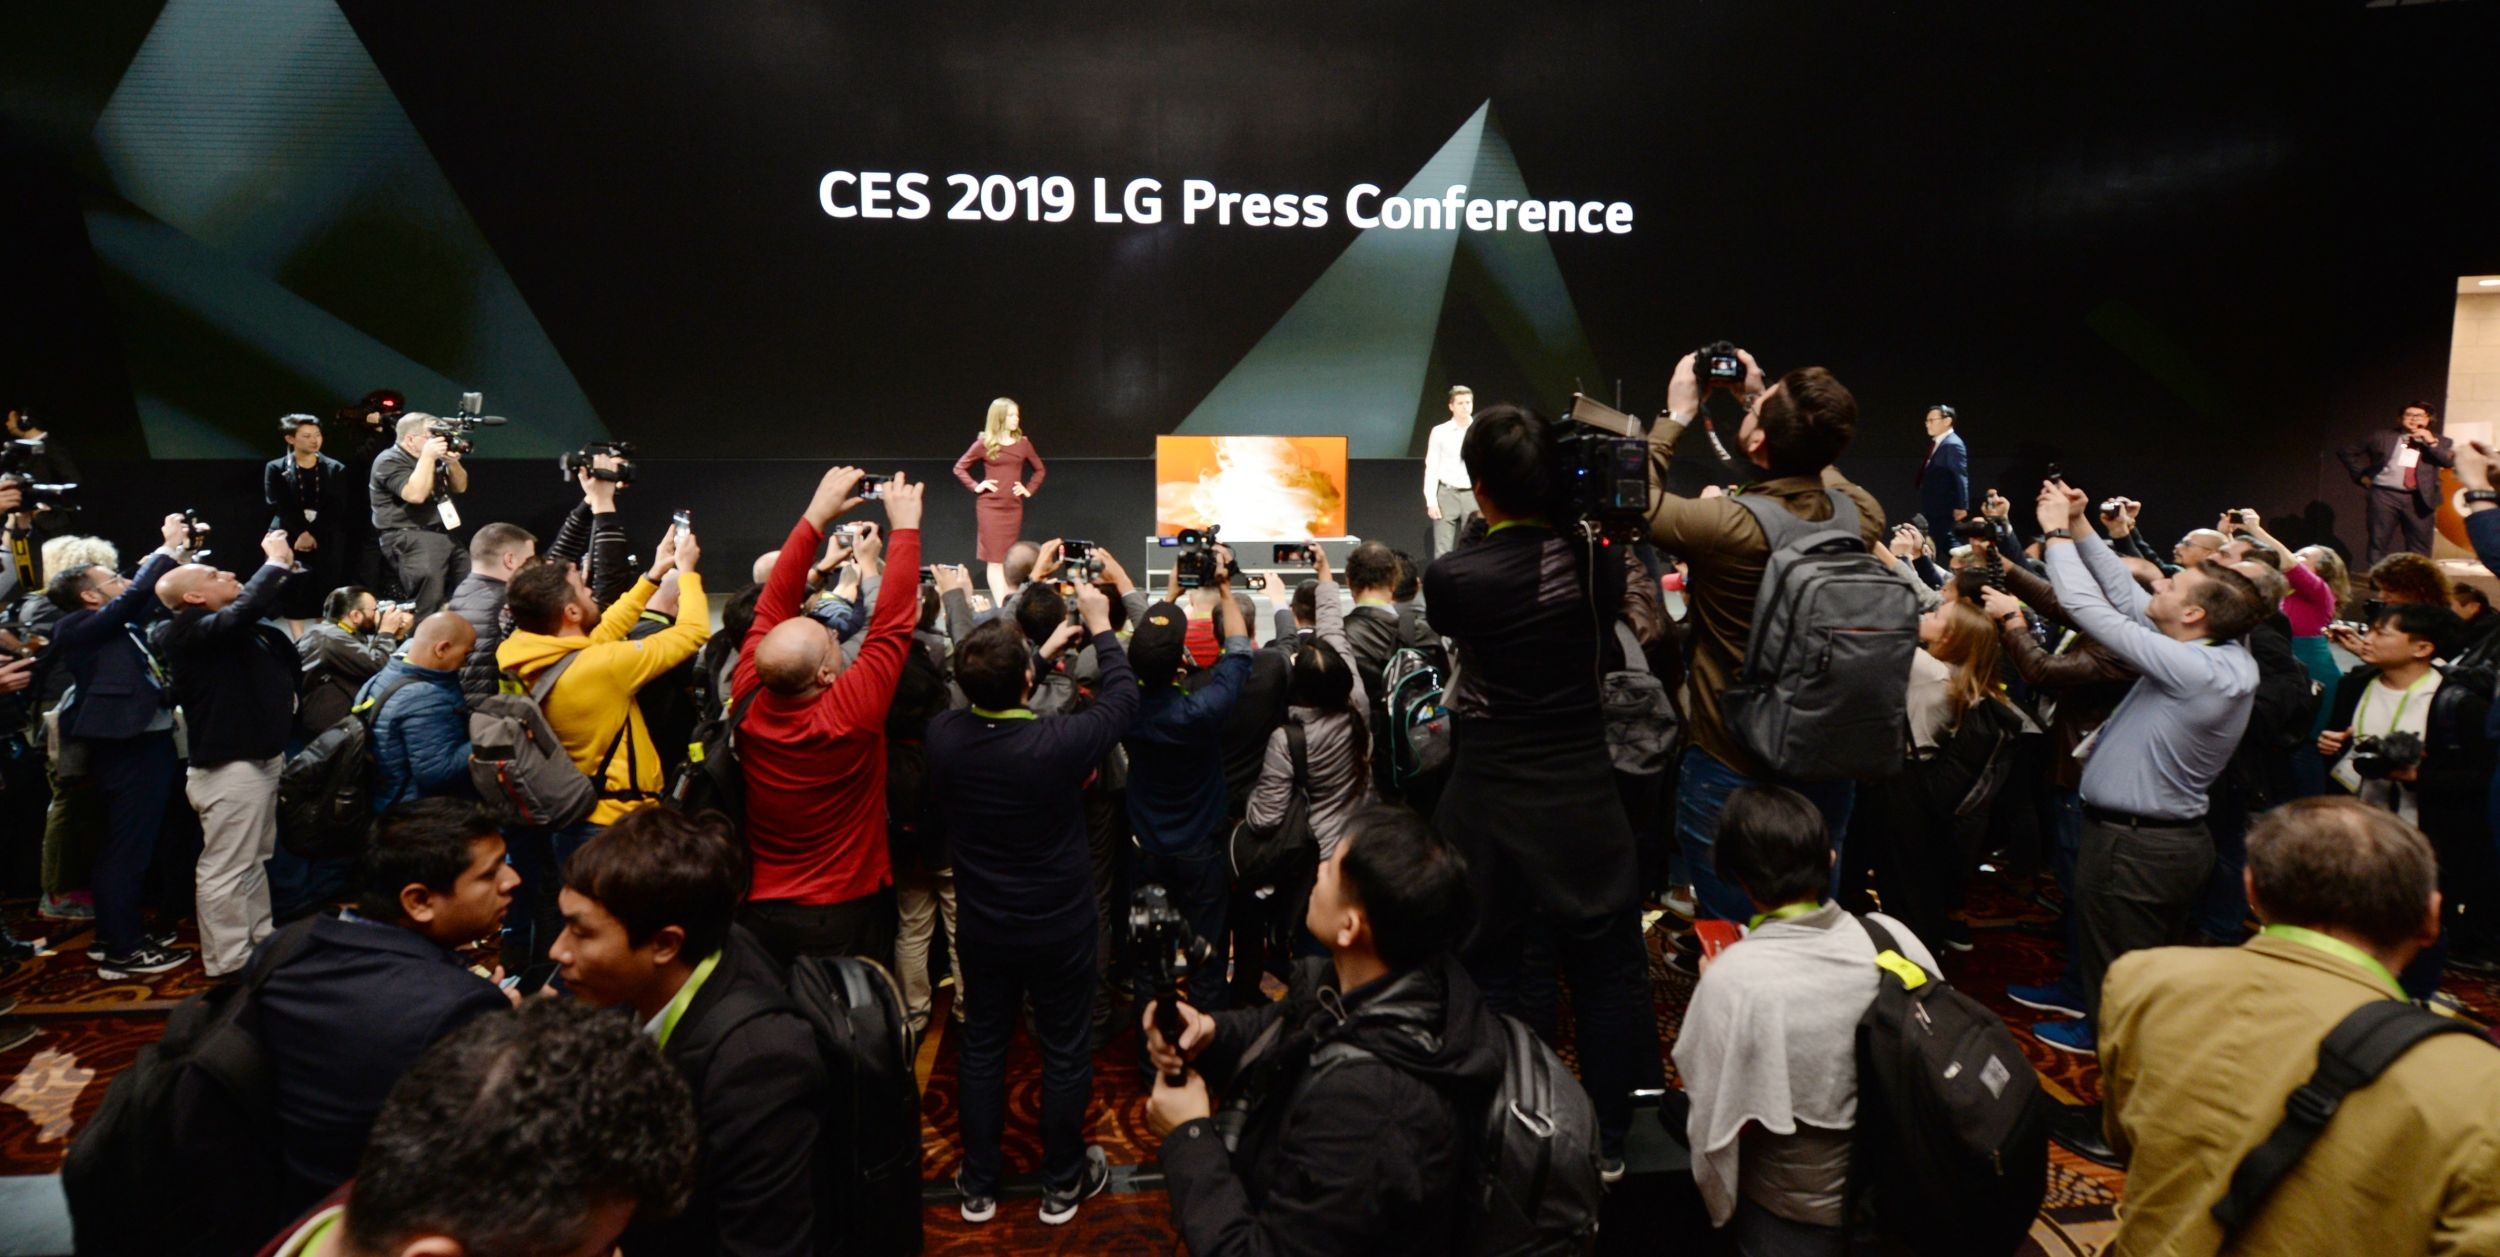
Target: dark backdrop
[2180, 249]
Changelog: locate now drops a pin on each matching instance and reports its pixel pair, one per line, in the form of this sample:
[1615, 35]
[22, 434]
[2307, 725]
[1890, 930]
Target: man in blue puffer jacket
[421, 732]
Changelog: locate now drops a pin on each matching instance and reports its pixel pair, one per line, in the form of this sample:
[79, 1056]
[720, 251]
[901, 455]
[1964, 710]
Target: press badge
[450, 513]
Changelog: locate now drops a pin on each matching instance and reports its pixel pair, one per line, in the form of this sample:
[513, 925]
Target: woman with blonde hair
[1961, 737]
[1002, 450]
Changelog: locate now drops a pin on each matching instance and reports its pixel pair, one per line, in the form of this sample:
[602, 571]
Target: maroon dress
[999, 513]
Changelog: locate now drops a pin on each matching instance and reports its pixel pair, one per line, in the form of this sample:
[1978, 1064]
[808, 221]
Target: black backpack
[1952, 1138]
[1288, 851]
[2352, 1056]
[871, 1185]
[711, 779]
[325, 792]
[182, 1157]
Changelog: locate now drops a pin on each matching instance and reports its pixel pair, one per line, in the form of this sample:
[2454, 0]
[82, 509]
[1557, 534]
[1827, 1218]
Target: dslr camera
[1604, 464]
[570, 465]
[1716, 365]
[1196, 560]
[2374, 758]
[1165, 951]
[15, 457]
[455, 427]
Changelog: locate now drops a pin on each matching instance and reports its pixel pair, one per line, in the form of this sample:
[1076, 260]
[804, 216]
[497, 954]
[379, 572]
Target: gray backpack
[1823, 694]
[1640, 721]
[518, 764]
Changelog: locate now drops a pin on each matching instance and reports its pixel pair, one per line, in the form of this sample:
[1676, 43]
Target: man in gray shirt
[411, 488]
[2146, 851]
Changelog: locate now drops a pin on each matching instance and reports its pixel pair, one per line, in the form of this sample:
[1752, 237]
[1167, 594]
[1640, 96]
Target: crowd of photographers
[1338, 879]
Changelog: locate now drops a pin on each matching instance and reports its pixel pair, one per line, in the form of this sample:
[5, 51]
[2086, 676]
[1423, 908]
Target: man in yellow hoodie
[553, 616]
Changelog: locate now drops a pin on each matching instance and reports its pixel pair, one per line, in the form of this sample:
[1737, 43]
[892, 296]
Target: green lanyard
[685, 996]
[1012, 713]
[1532, 521]
[2337, 948]
[2403, 697]
[1785, 912]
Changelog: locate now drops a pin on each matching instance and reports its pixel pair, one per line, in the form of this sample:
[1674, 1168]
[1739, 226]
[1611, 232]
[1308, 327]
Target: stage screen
[1256, 488]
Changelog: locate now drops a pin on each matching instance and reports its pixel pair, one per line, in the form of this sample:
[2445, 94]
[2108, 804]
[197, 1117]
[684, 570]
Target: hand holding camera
[396, 621]
[275, 547]
[833, 497]
[2059, 507]
[903, 500]
[1197, 1031]
[176, 532]
[1093, 606]
[1996, 506]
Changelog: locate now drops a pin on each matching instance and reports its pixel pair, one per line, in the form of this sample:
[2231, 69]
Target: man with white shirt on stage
[1449, 496]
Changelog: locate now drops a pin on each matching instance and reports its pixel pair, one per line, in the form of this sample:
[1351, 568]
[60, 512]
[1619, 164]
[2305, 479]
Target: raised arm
[884, 646]
[2176, 666]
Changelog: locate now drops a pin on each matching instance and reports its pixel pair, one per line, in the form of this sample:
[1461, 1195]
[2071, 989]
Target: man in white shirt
[1449, 495]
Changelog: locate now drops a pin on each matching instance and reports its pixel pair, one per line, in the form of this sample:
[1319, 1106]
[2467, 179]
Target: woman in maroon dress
[1001, 451]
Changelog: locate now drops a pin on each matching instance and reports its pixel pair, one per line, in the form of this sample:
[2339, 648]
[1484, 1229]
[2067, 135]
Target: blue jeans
[1060, 977]
[1196, 880]
[1702, 787]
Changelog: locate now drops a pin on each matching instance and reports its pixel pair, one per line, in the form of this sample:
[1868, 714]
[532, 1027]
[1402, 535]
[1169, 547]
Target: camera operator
[1350, 1100]
[1011, 795]
[2389, 465]
[1532, 801]
[312, 500]
[412, 485]
[51, 466]
[351, 642]
[372, 423]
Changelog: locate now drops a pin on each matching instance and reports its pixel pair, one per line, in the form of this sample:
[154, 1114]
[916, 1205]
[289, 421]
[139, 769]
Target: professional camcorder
[15, 456]
[1604, 464]
[584, 459]
[455, 428]
[2376, 758]
[1166, 951]
[1196, 560]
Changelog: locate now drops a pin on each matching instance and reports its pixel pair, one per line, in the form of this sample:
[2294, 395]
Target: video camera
[2376, 758]
[455, 427]
[584, 459]
[1166, 951]
[15, 457]
[1196, 561]
[1604, 464]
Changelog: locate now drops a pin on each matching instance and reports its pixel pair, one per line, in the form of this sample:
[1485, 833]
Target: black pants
[2137, 887]
[864, 927]
[429, 566]
[136, 777]
[2397, 521]
[1613, 1018]
[1059, 976]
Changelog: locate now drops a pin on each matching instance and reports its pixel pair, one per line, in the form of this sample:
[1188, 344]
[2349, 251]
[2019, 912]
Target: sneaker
[17, 950]
[2068, 1036]
[64, 908]
[1687, 963]
[2052, 997]
[1680, 902]
[1610, 1170]
[163, 940]
[976, 1208]
[1059, 1208]
[1957, 935]
[144, 960]
[15, 1036]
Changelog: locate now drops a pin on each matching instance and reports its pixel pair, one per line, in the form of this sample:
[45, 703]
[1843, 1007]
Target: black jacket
[1364, 1155]
[235, 674]
[759, 1086]
[341, 1022]
[2279, 719]
[120, 688]
[2457, 755]
[328, 491]
[1258, 712]
[2364, 458]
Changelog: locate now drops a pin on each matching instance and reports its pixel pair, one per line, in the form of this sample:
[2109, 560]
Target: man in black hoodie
[1348, 1102]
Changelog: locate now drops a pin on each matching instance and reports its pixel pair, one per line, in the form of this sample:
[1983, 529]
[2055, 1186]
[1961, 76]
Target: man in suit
[378, 984]
[2389, 465]
[121, 719]
[312, 499]
[234, 675]
[1944, 479]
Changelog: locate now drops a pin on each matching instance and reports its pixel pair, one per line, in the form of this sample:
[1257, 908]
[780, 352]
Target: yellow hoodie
[596, 695]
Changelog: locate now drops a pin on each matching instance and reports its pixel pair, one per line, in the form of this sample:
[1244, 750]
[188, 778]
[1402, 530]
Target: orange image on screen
[1254, 487]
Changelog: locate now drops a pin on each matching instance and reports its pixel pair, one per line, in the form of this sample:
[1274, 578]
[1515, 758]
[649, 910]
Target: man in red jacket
[812, 744]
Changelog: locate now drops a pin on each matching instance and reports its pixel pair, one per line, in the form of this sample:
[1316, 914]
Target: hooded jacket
[420, 736]
[1365, 1155]
[595, 698]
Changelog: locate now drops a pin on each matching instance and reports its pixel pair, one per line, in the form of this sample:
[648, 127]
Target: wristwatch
[2058, 534]
[2482, 495]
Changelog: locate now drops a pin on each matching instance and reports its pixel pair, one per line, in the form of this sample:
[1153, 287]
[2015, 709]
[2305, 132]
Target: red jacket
[815, 768]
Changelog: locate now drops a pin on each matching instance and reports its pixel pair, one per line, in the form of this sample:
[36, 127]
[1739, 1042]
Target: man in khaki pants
[234, 677]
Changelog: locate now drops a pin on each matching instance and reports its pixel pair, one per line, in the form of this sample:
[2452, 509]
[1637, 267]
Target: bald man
[234, 673]
[420, 724]
[811, 741]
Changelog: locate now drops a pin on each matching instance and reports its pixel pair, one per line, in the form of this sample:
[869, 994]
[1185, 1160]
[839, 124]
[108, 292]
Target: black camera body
[1604, 465]
[1165, 952]
[584, 459]
[2374, 758]
[19, 454]
[1196, 561]
[455, 427]
[1974, 529]
[1716, 364]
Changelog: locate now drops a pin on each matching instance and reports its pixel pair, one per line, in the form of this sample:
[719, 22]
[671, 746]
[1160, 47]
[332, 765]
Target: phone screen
[1292, 554]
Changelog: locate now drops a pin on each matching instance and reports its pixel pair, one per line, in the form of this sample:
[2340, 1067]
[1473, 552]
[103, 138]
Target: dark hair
[1306, 602]
[1773, 844]
[931, 607]
[494, 541]
[990, 664]
[2431, 622]
[1971, 585]
[1411, 885]
[65, 588]
[2409, 577]
[341, 601]
[287, 424]
[739, 615]
[538, 594]
[1017, 567]
[1410, 578]
[1040, 610]
[1321, 677]
[1509, 452]
[657, 867]
[425, 842]
[2260, 552]
[508, 1133]
[1806, 422]
[2463, 592]
[2231, 601]
[2340, 863]
[1372, 566]
[2424, 407]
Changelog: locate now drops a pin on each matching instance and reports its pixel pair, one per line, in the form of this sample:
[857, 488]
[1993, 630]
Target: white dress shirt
[1442, 464]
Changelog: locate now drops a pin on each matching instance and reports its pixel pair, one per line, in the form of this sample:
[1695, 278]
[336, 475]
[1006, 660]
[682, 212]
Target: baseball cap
[1155, 648]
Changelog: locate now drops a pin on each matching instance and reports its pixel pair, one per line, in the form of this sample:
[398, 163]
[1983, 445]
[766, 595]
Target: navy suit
[120, 694]
[2399, 518]
[1944, 487]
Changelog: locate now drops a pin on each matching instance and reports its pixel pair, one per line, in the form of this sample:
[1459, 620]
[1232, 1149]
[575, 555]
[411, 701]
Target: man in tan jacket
[2201, 1046]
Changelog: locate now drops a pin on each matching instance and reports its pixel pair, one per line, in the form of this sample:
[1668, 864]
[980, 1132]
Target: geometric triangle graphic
[1354, 354]
[278, 237]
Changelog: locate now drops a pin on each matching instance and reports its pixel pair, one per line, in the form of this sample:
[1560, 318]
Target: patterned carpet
[91, 1030]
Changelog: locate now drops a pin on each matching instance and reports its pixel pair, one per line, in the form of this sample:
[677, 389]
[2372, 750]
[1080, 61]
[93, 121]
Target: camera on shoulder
[586, 459]
[1604, 464]
[455, 427]
[1196, 561]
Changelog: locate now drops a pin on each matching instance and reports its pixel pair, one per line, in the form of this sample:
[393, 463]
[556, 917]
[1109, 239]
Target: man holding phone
[2399, 469]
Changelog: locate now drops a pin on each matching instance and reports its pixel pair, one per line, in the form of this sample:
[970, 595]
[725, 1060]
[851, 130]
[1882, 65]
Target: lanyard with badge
[2343, 774]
